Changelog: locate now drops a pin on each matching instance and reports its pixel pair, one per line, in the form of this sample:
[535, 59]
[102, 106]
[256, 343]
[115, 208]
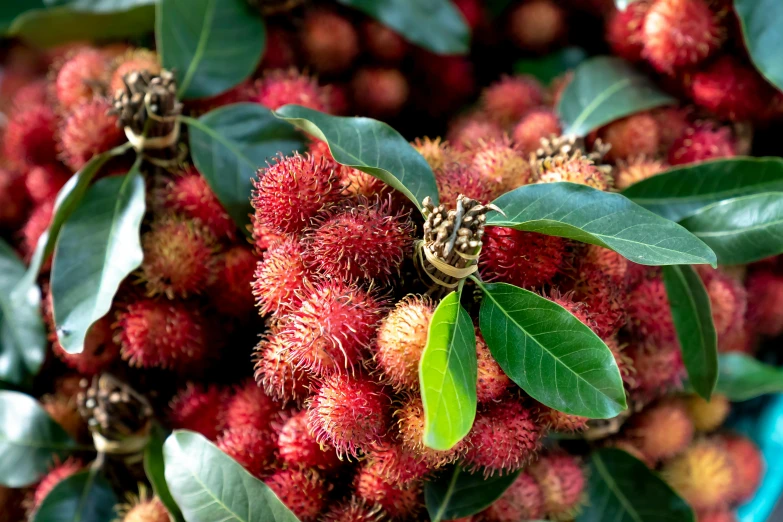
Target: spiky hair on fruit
[63, 410]
[634, 135]
[397, 464]
[602, 297]
[574, 167]
[765, 301]
[136, 60]
[298, 447]
[189, 194]
[510, 98]
[252, 448]
[523, 500]
[500, 164]
[525, 259]
[99, 350]
[81, 77]
[554, 420]
[562, 480]
[636, 169]
[624, 31]
[707, 415]
[43, 182]
[382, 42]
[234, 274]
[468, 131]
[410, 433]
[329, 41]
[278, 88]
[731, 90]
[437, 153]
[250, 407]
[14, 202]
[491, 382]
[37, 223]
[303, 491]
[399, 502]
[661, 431]
[748, 464]
[703, 475]
[457, 178]
[658, 368]
[29, 136]
[379, 92]
[353, 510]
[200, 409]
[649, 313]
[275, 373]
[292, 191]
[701, 143]
[88, 130]
[280, 277]
[59, 472]
[537, 124]
[728, 300]
[142, 508]
[537, 25]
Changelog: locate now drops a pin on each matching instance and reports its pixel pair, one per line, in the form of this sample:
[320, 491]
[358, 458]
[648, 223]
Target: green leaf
[761, 22]
[600, 218]
[98, 247]
[605, 89]
[549, 353]
[209, 485]
[22, 334]
[448, 373]
[692, 315]
[211, 45]
[456, 493]
[99, 6]
[553, 65]
[741, 230]
[58, 25]
[623, 489]
[435, 25]
[370, 146]
[9, 11]
[682, 191]
[29, 440]
[83, 497]
[155, 471]
[230, 143]
[743, 377]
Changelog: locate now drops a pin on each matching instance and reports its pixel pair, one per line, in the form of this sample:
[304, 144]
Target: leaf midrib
[198, 54]
[613, 487]
[597, 102]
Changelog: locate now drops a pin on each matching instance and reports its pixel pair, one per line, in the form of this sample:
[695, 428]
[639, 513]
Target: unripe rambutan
[98, 353]
[523, 500]
[397, 464]
[161, 333]
[410, 424]
[303, 491]
[299, 448]
[635, 170]
[492, 382]
[189, 194]
[469, 131]
[703, 475]
[456, 179]
[358, 183]
[200, 409]
[278, 88]
[279, 378]
[662, 431]
[708, 415]
[178, 257]
[632, 136]
[13, 200]
[537, 25]
[503, 439]
[234, 272]
[279, 278]
[575, 169]
[731, 90]
[250, 407]
[562, 481]
[351, 414]
[680, 34]
[137, 60]
[253, 449]
[82, 77]
[29, 136]
[525, 259]
[353, 510]
[748, 465]
[382, 42]
[329, 41]
[765, 303]
[624, 31]
[537, 124]
[658, 368]
[499, 163]
[649, 314]
[62, 409]
[558, 421]
[379, 92]
[702, 143]
[44, 182]
[289, 193]
[510, 98]
[89, 130]
[56, 475]
[437, 153]
[399, 502]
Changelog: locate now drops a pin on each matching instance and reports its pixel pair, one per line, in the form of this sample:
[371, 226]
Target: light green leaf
[549, 353]
[456, 494]
[761, 22]
[743, 377]
[211, 45]
[600, 218]
[98, 247]
[553, 65]
[370, 146]
[155, 470]
[84, 497]
[9, 11]
[692, 315]
[448, 373]
[605, 89]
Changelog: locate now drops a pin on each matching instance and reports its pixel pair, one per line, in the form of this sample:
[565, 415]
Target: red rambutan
[250, 407]
[456, 179]
[253, 449]
[410, 424]
[303, 491]
[523, 500]
[624, 362]
[603, 298]
[382, 42]
[624, 31]
[702, 143]
[500, 164]
[728, 300]
[537, 124]
[472, 11]
[649, 314]
[537, 25]
[731, 90]
[137, 60]
[707, 415]
[635, 170]
[56, 475]
[607, 262]
[279, 278]
[558, 421]
[299, 448]
[329, 41]
[29, 137]
[353, 510]
[562, 481]
[279, 378]
[397, 464]
[379, 92]
[525, 259]
[89, 130]
[280, 52]
[717, 516]
[510, 98]
[469, 131]
[658, 368]
[748, 465]
[81, 77]
[44, 182]
[661, 431]
[189, 194]
[703, 475]
[492, 382]
[199, 409]
[278, 88]
[13, 200]
[234, 272]
[33, 93]
[765, 303]
[399, 502]
[632, 136]
[99, 350]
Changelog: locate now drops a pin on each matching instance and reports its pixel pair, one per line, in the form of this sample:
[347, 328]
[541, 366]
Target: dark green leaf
[456, 493]
[98, 247]
[680, 192]
[600, 218]
[83, 497]
[692, 315]
[29, 440]
[22, 334]
[743, 377]
[553, 65]
[623, 489]
[435, 25]
[448, 373]
[496, 7]
[9, 11]
[549, 353]
[741, 230]
[605, 89]
[761, 22]
[370, 146]
[99, 6]
[209, 485]
[155, 470]
[230, 143]
[211, 45]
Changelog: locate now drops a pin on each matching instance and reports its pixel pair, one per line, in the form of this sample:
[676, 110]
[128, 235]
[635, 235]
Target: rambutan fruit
[702, 143]
[329, 41]
[410, 424]
[89, 130]
[537, 124]
[438, 153]
[360, 184]
[144, 509]
[299, 448]
[558, 421]
[728, 300]
[661, 431]
[624, 31]
[279, 378]
[289, 193]
[278, 88]
[607, 262]
[624, 362]
[748, 465]
[280, 52]
[562, 481]
[731, 90]
[649, 314]
[469, 131]
[601, 297]
[279, 277]
[503, 439]
[234, 273]
[507, 100]
[704, 475]
[189, 194]
[708, 415]
[672, 123]
[44, 182]
[383, 43]
[636, 169]
[629, 446]
[179, 257]
[658, 367]
[380, 92]
[525, 259]
[523, 500]
[576, 168]
[303, 491]
[83, 76]
[499, 163]
[765, 303]
[252, 448]
[632, 136]
[680, 34]
[13, 200]
[29, 136]
[456, 179]
[37, 223]
[399, 502]
[57, 474]
[353, 510]
[537, 25]
[62, 409]
[350, 413]
[397, 464]
[137, 60]
[250, 407]
[723, 515]
[32, 93]
[472, 11]
[492, 382]
[200, 409]
[98, 353]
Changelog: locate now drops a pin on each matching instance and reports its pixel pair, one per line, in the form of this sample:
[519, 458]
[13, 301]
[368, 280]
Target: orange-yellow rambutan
[250, 407]
[723, 515]
[469, 131]
[275, 373]
[525, 259]
[632, 136]
[708, 415]
[200, 409]
[649, 314]
[13, 199]
[661, 431]
[680, 34]
[29, 136]
[635, 170]
[702, 143]
[230, 292]
[731, 90]
[399, 502]
[380, 92]
[397, 464]
[748, 465]
[81, 77]
[624, 31]
[278, 88]
[562, 481]
[145, 510]
[523, 500]
[504, 438]
[537, 25]
[765, 303]
[279, 278]
[491, 382]
[189, 194]
[437, 152]
[89, 130]
[303, 491]
[137, 60]
[457, 178]
[658, 367]
[297, 447]
[353, 510]
[350, 413]
[63, 410]
[558, 421]
[537, 124]
[510, 98]
[703, 475]
[410, 427]
[98, 353]
[499, 163]
[252, 448]
[44, 182]
[574, 169]
[382, 42]
[329, 41]
[57, 474]
[728, 300]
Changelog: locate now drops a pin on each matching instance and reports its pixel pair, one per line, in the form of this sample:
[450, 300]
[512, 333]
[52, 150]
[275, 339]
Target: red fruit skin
[253, 449]
[765, 303]
[329, 41]
[299, 448]
[748, 464]
[523, 500]
[383, 43]
[632, 136]
[279, 378]
[29, 137]
[280, 52]
[467, 132]
[562, 481]
[57, 474]
[279, 278]
[13, 199]
[649, 314]
[303, 491]
[250, 407]
[731, 90]
[200, 409]
[455, 179]
[32, 93]
[100, 351]
[399, 502]
[658, 368]
[537, 25]
[537, 124]
[525, 259]
[37, 223]
[472, 11]
[510, 98]
[234, 273]
[396, 464]
[716, 516]
[44, 182]
[673, 122]
[625, 31]
[88, 131]
[492, 382]
[680, 34]
[81, 77]
[558, 421]
[379, 92]
[701, 144]
[190, 195]
[283, 87]
[353, 510]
